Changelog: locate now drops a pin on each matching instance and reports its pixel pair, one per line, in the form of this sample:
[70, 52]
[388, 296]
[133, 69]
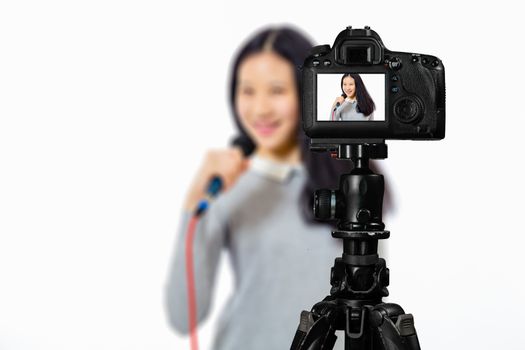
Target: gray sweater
[280, 262]
[348, 111]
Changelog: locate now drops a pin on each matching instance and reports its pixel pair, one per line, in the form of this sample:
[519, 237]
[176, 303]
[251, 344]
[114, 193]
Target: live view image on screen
[351, 97]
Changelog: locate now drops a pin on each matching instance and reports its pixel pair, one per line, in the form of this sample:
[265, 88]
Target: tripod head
[358, 203]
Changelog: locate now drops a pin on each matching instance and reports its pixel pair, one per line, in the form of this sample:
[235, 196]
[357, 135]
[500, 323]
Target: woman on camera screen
[280, 258]
[355, 103]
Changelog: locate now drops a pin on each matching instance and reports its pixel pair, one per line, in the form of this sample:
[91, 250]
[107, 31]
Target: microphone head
[244, 143]
[337, 104]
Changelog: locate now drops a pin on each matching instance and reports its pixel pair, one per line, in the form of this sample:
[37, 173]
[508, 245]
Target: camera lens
[407, 110]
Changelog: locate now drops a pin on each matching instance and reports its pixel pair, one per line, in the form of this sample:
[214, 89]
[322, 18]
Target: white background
[107, 108]
[329, 87]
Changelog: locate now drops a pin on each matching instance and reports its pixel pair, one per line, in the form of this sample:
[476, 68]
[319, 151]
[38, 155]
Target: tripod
[359, 278]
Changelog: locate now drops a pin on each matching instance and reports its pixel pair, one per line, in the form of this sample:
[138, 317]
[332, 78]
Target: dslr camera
[359, 91]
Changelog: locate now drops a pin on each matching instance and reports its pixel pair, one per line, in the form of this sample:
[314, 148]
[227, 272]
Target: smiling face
[349, 86]
[266, 101]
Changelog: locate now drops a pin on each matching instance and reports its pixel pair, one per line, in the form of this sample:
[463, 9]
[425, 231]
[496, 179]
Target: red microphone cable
[214, 187]
[190, 281]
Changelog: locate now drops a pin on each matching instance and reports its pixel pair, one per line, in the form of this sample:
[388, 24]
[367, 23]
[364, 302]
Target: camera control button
[327, 63]
[408, 109]
[395, 89]
[316, 63]
[395, 63]
[394, 78]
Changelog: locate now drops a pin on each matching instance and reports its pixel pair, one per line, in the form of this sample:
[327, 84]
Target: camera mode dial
[394, 63]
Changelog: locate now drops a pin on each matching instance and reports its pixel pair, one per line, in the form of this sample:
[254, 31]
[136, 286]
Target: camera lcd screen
[351, 97]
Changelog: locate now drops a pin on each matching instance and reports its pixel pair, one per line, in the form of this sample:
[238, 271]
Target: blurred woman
[281, 260]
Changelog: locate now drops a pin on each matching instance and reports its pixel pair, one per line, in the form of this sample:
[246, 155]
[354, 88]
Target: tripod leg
[395, 329]
[314, 333]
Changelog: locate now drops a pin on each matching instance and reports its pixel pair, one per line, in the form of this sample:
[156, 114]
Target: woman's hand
[228, 164]
[339, 99]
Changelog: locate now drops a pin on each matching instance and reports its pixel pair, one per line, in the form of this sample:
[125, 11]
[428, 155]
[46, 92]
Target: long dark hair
[289, 43]
[365, 104]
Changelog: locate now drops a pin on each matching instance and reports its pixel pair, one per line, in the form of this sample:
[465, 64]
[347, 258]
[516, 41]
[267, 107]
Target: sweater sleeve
[209, 238]
[339, 110]
[333, 111]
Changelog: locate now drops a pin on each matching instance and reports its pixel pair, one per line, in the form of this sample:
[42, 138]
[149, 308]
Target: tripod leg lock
[306, 321]
[314, 332]
[355, 333]
[405, 325]
[395, 327]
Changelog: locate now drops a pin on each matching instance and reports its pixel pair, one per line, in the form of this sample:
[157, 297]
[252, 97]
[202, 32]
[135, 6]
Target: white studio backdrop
[106, 111]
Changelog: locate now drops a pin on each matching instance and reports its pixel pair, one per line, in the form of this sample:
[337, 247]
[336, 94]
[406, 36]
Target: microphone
[216, 184]
[336, 106]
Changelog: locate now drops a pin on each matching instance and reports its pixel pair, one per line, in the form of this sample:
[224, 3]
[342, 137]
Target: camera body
[358, 90]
